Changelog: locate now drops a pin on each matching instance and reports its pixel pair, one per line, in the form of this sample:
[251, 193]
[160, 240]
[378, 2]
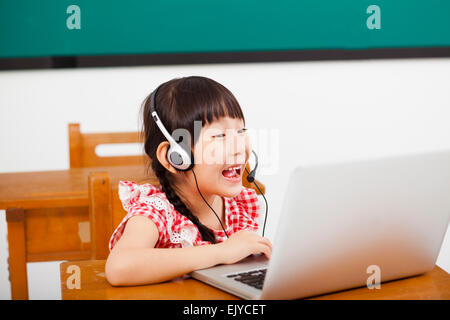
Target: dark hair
[179, 102]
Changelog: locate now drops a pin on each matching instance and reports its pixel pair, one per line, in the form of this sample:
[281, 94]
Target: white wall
[328, 110]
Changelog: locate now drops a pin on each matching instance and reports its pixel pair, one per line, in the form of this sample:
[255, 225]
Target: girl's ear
[161, 154]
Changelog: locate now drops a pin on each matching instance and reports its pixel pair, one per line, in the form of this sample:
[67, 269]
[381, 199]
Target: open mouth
[233, 172]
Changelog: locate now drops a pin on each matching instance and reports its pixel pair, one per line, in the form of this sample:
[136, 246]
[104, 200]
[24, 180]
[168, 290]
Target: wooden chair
[49, 232]
[106, 211]
[82, 148]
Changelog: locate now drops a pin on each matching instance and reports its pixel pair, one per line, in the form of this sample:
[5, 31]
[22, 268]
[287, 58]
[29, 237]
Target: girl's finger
[265, 241]
[265, 249]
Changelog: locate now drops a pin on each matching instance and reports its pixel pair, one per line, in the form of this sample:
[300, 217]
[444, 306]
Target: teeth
[234, 169]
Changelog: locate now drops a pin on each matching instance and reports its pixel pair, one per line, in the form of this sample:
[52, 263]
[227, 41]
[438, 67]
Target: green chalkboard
[30, 28]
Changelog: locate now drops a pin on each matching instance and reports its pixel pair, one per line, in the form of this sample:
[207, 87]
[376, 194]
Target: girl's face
[220, 155]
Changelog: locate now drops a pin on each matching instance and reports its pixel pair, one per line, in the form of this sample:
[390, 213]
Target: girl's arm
[135, 261]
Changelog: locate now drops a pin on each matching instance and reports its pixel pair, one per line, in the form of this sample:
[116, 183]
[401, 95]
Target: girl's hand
[242, 244]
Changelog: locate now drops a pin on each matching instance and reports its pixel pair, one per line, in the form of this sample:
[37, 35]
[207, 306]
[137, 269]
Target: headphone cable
[195, 177]
[267, 206]
[223, 228]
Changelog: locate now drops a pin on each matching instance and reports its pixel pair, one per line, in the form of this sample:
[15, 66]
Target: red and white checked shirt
[175, 230]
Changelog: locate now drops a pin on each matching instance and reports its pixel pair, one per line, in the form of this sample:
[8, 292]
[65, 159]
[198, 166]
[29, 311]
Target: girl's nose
[238, 149]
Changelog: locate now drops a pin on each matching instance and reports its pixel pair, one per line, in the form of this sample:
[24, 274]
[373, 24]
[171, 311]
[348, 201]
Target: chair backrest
[106, 211]
[82, 148]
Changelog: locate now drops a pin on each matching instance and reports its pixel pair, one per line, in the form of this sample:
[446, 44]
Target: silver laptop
[342, 223]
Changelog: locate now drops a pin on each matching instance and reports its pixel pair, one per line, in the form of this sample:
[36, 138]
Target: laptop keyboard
[254, 278]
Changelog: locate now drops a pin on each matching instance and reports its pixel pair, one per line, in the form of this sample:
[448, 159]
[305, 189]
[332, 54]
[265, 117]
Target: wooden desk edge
[66, 293]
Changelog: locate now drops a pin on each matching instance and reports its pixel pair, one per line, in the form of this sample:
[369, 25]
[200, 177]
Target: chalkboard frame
[96, 61]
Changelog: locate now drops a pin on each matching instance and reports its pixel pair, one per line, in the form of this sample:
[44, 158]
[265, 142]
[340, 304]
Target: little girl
[171, 230]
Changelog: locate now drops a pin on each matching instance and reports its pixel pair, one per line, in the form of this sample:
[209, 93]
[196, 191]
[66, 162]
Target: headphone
[181, 158]
[251, 175]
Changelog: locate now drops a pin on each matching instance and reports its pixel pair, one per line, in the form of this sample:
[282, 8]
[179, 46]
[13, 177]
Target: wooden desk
[48, 216]
[94, 286]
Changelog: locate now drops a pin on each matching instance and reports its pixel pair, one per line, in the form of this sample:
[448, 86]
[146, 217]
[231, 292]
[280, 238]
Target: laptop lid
[340, 222]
